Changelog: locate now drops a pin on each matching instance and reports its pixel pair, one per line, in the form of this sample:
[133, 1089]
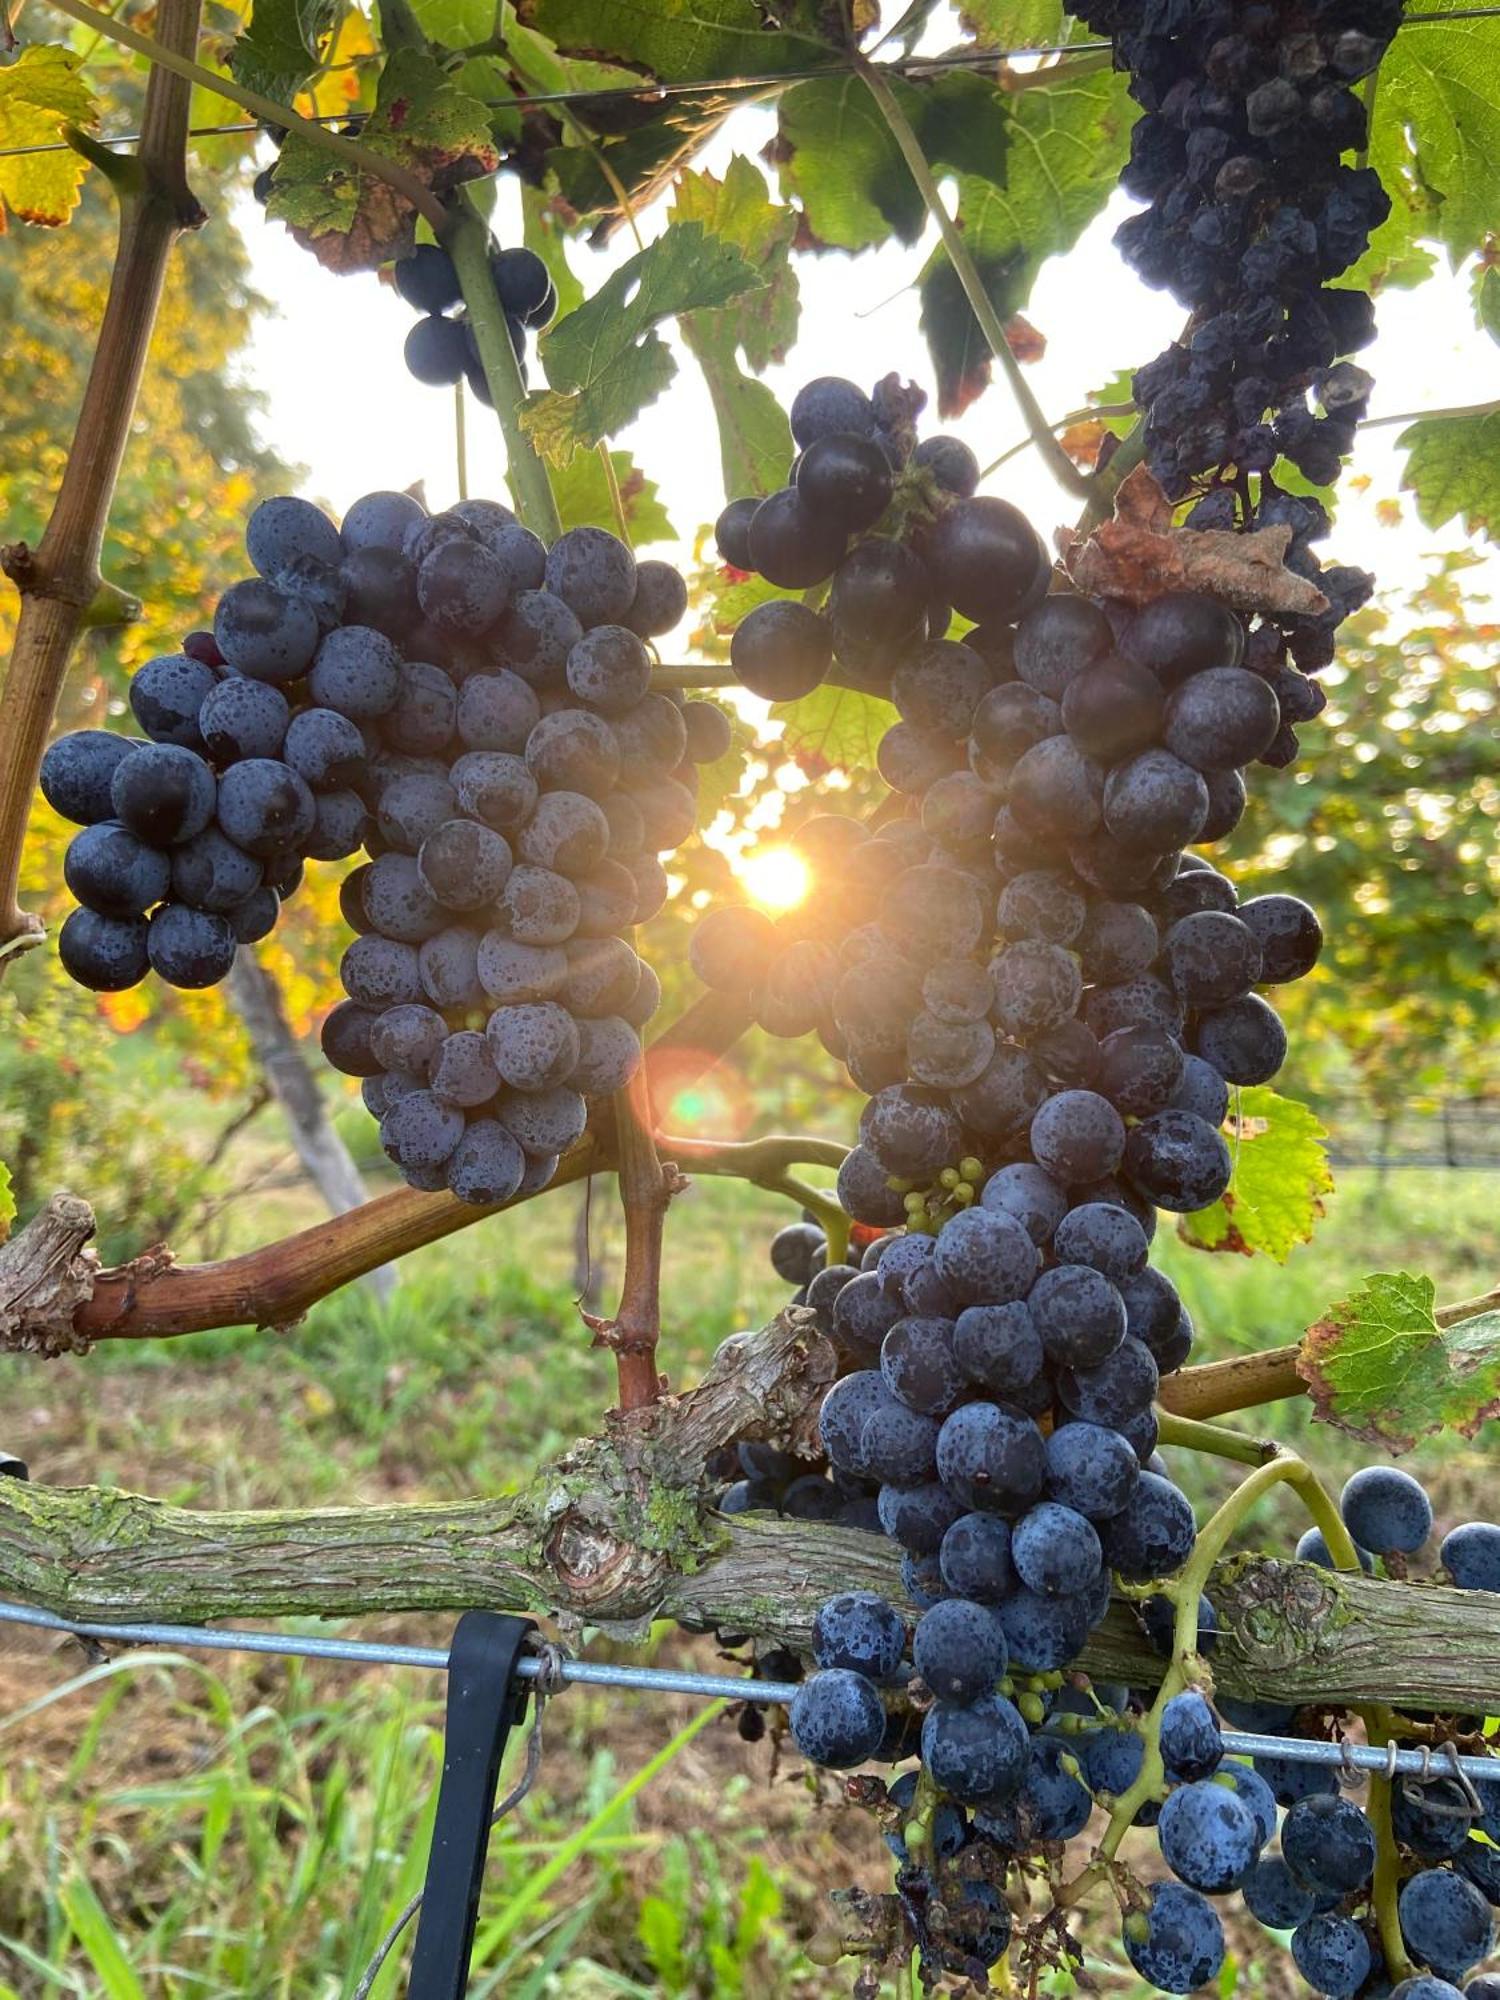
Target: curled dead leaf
[1139, 555]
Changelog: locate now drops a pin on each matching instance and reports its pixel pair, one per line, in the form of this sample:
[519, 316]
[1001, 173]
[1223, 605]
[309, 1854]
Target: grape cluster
[894, 529]
[192, 836]
[441, 349]
[472, 709]
[1248, 116]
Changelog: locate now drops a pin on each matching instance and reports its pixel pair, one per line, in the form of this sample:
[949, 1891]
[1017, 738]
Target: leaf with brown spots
[352, 220]
[1139, 555]
[1379, 1366]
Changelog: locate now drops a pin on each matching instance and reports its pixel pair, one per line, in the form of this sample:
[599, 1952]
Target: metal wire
[906, 66]
[553, 1670]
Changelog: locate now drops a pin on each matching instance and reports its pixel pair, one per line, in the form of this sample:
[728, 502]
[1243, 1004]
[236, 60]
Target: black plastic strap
[485, 1700]
[12, 1468]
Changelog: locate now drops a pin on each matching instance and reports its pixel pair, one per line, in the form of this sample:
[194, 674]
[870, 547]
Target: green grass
[248, 1828]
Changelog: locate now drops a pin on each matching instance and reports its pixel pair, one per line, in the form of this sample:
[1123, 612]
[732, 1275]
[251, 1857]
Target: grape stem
[1062, 468]
[1191, 1435]
[466, 236]
[61, 590]
[162, 55]
[646, 1190]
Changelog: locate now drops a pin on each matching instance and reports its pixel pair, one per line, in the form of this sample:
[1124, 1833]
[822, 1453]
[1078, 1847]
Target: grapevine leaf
[456, 24]
[40, 93]
[1062, 151]
[755, 439]
[1487, 299]
[606, 361]
[1380, 1367]
[739, 210]
[350, 219]
[682, 40]
[835, 154]
[755, 443]
[1014, 23]
[1442, 88]
[7, 1202]
[583, 497]
[1453, 467]
[833, 728]
[1275, 1195]
[283, 45]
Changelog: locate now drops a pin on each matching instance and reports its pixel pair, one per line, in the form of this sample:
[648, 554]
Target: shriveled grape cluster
[1249, 115]
[476, 712]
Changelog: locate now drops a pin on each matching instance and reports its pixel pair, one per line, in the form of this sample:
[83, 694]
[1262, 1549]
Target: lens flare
[774, 877]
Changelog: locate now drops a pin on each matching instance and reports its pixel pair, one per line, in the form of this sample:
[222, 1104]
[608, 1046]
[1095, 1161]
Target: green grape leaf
[1435, 143]
[348, 218]
[1379, 1366]
[1487, 299]
[1065, 146]
[1280, 1178]
[283, 45]
[833, 728]
[40, 93]
[606, 361]
[1014, 24]
[835, 155]
[681, 41]
[1444, 86]
[1453, 467]
[457, 24]
[739, 210]
[7, 1202]
[583, 497]
[489, 79]
[755, 441]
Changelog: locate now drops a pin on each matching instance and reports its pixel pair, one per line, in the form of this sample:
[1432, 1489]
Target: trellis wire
[905, 66]
[1390, 1762]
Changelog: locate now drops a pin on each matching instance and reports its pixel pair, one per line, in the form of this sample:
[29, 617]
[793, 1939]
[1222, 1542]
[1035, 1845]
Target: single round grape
[106, 954]
[1179, 1160]
[1177, 1943]
[264, 806]
[1077, 1136]
[860, 1632]
[1211, 958]
[1288, 933]
[959, 1650]
[486, 1166]
[983, 556]
[845, 477]
[977, 1753]
[1090, 1469]
[950, 463]
[1333, 1955]
[986, 1257]
[1058, 640]
[1386, 1510]
[609, 669]
[166, 695]
[495, 787]
[609, 1054]
[77, 774]
[324, 748]
[1244, 1041]
[781, 650]
[1078, 1313]
[574, 750]
[357, 671]
[975, 1557]
[837, 1719]
[380, 971]
[827, 406]
[1471, 1555]
[210, 872]
[114, 872]
[264, 631]
[660, 601]
[544, 1122]
[188, 947]
[435, 350]
[420, 721]
[1112, 708]
[282, 529]
[163, 793]
[1445, 1921]
[879, 597]
[1029, 1194]
[1208, 1836]
[1153, 1534]
[1183, 632]
[1221, 719]
[1154, 802]
[991, 1457]
[1056, 790]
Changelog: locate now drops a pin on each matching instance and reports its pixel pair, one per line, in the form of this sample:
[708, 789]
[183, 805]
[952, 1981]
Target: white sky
[340, 402]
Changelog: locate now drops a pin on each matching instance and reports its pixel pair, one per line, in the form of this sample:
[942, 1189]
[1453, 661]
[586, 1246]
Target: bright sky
[340, 402]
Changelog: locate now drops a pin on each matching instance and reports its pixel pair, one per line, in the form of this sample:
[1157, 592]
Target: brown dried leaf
[1139, 555]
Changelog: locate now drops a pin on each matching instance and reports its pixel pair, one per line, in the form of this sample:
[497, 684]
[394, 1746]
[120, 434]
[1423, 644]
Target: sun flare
[774, 877]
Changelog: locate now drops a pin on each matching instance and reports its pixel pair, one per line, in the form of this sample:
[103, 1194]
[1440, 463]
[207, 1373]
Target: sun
[774, 877]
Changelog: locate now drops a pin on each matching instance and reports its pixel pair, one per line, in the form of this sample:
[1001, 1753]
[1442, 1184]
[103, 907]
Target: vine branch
[620, 1529]
[61, 589]
[646, 1190]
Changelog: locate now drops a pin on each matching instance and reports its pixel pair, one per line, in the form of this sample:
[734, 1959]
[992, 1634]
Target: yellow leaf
[40, 93]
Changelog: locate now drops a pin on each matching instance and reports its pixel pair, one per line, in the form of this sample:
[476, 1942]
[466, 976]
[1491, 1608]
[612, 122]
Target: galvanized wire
[906, 66]
[1390, 1762]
